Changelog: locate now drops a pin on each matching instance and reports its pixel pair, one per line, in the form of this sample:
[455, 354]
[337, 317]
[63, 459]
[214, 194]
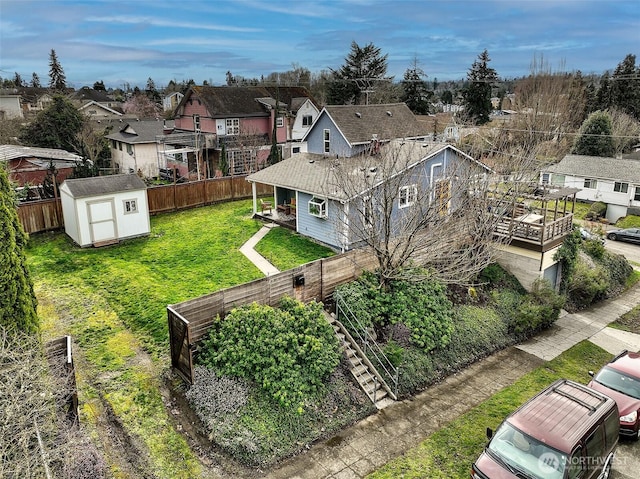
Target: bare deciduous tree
[35, 441]
[410, 213]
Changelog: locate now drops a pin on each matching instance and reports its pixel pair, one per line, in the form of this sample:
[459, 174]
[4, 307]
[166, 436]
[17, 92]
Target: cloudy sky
[120, 41]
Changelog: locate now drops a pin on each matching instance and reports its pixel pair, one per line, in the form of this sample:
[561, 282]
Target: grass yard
[450, 452]
[298, 250]
[113, 302]
[629, 321]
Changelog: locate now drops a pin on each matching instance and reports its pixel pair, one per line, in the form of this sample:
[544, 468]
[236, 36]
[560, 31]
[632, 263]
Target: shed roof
[597, 167]
[11, 152]
[101, 185]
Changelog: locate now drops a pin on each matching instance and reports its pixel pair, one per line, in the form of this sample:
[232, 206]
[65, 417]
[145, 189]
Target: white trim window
[367, 212]
[407, 195]
[196, 123]
[279, 122]
[636, 196]
[619, 187]
[326, 134]
[307, 121]
[232, 126]
[130, 206]
[318, 207]
[590, 183]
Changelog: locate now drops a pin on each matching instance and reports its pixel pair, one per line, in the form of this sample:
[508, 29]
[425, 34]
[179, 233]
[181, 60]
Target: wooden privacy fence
[46, 215]
[190, 320]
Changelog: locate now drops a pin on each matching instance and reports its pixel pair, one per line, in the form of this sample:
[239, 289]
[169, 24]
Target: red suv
[620, 380]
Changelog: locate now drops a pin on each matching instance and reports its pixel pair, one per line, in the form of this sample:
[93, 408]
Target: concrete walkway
[260, 261]
[374, 441]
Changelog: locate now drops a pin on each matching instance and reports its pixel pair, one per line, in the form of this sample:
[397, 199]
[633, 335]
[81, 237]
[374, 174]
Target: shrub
[287, 351]
[496, 277]
[594, 248]
[538, 310]
[214, 395]
[394, 352]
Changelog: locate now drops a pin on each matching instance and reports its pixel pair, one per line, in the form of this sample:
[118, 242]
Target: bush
[594, 248]
[214, 395]
[287, 351]
[536, 311]
[394, 353]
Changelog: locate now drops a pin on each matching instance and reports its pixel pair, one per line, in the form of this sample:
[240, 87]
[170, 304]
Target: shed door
[102, 222]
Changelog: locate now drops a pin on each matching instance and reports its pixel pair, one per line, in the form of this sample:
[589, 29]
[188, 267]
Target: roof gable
[360, 124]
[144, 131]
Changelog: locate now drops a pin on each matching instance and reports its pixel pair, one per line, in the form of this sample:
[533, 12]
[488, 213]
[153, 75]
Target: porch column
[255, 197]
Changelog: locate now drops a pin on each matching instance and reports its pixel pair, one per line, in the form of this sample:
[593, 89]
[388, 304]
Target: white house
[105, 209]
[10, 106]
[134, 147]
[614, 181]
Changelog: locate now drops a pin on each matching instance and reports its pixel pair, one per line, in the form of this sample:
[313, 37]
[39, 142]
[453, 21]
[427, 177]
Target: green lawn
[298, 249]
[113, 302]
[450, 452]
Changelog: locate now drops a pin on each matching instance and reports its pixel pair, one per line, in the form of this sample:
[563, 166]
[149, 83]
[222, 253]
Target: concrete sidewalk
[374, 441]
[256, 258]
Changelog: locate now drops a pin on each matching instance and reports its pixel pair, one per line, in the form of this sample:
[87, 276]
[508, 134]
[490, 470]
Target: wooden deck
[538, 235]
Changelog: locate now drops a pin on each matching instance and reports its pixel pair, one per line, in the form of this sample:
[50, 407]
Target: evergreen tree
[57, 79]
[17, 80]
[416, 93]
[151, 91]
[55, 127]
[477, 95]
[625, 87]
[17, 299]
[595, 136]
[99, 86]
[35, 80]
[603, 97]
[362, 69]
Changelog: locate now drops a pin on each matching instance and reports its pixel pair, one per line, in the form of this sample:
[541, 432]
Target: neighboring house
[95, 110]
[88, 95]
[134, 147]
[614, 181]
[29, 165]
[242, 118]
[171, 101]
[304, 186]
[10, 105]
[349, 130]
[34, 100]
[105, 209]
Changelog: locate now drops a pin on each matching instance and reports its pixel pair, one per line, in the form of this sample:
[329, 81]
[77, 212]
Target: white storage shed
[105, 209]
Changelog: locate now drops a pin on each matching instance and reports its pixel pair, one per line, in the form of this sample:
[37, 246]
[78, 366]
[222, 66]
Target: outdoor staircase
[361, 368]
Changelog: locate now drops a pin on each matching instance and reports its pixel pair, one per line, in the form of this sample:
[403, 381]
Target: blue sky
[129, 41]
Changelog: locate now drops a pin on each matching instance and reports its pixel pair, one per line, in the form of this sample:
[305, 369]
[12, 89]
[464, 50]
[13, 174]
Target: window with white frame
[407, 195]
[241, 161]
[318, 207]
[307, 120]
[279, 122]
[636, 196]
[546, 178]
[130, 149]
[443, 196]
[327, 141]
[590, 183]
[619, 187]
[196, 123]
[233, 126]
[130, 206]
[557, 180]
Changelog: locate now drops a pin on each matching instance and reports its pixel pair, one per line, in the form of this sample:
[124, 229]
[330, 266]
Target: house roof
[101, 185]
[101, 106]
[86, 94]
[596, 167]
[358, 123]
[226, 101]
[313, 173]
[143, 131]
[11, 152]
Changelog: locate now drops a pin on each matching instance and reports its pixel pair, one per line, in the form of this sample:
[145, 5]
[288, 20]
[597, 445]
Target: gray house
[334, 200]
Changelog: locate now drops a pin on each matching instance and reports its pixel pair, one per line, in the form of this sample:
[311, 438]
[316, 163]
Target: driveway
[629, 250]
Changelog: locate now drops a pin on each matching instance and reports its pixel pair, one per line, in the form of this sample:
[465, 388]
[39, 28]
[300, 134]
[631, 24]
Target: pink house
[242, 120]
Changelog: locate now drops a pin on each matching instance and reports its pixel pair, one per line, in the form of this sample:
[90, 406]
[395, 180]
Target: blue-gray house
[368, 170]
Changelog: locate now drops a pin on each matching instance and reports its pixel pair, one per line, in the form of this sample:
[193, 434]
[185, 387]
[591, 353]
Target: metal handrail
[389, 374]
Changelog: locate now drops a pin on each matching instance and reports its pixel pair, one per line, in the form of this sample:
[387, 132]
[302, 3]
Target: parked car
[631, 235]
[620, 380]
[587, 235]
[566, 431]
